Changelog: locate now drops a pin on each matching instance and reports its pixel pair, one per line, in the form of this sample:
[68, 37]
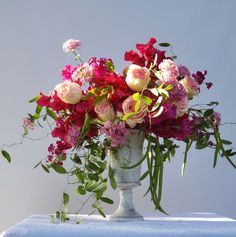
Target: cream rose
[137, 77]
[128, 106]
[69, 92]
[105, 111]
[190, 86]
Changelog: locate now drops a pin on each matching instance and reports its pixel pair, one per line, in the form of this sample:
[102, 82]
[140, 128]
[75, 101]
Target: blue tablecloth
[183, 225]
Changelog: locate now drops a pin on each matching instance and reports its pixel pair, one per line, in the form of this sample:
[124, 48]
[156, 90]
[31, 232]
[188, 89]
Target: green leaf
[66, 198]
[6, 155]
[144, 175]
[208, 112]
[81, 190]
[34, 99]
[59, 169]
[45, 168]
[106, 200]
[51, 113]
[86, 126]
[163, 92]
[126, 116]
[93, 166]
[136, 96]
[226, 142]
[216, 156]
[100, 187]
[110, 66]
[39, 163]
[213, 103]
[164, 44]
[61, 157]
[154, 91]
[137, 106]
[76, 159]
[169, 87]
[101, 212]
[38, 109]
[91, 185]
[112, 180]
[146, 100]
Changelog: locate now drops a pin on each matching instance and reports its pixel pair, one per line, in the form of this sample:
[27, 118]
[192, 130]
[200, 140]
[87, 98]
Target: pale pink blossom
[71, 45]
[69, 92]
[181, 106]
[83, 73]
[190, 85]
[27, 123]
[105, 111]
[137, 77]
[128, 106]
[115, 132]
[168, 70]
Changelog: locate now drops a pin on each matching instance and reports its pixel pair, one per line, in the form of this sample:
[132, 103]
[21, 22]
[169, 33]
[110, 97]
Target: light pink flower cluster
[28, 124]
[83, 73]
[71, 45]
[115, 132]
[168, 70]
[72, 136]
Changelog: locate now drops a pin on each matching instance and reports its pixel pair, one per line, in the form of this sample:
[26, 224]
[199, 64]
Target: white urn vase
[130, 153]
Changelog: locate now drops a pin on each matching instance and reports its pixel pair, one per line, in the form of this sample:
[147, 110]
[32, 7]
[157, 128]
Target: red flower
[44, 100]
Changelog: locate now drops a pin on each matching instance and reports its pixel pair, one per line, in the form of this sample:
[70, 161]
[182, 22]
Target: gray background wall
[32, 32]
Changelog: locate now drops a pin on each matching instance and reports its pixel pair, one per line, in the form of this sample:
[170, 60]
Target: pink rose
[190, 86]
[105, 111]
[69, 92]
[70, 45]
[128, 106]
[137, 77]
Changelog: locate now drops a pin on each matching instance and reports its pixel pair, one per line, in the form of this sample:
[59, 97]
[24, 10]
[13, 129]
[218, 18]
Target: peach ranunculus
[69, 92]
[105, 111]
[70, 45]
[137, 77]
[128, 106]
[190, 86]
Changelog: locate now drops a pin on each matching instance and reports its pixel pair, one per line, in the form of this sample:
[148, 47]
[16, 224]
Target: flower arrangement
[93, 109]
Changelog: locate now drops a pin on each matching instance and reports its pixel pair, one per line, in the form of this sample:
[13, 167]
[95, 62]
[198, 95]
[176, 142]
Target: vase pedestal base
[126, 210]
